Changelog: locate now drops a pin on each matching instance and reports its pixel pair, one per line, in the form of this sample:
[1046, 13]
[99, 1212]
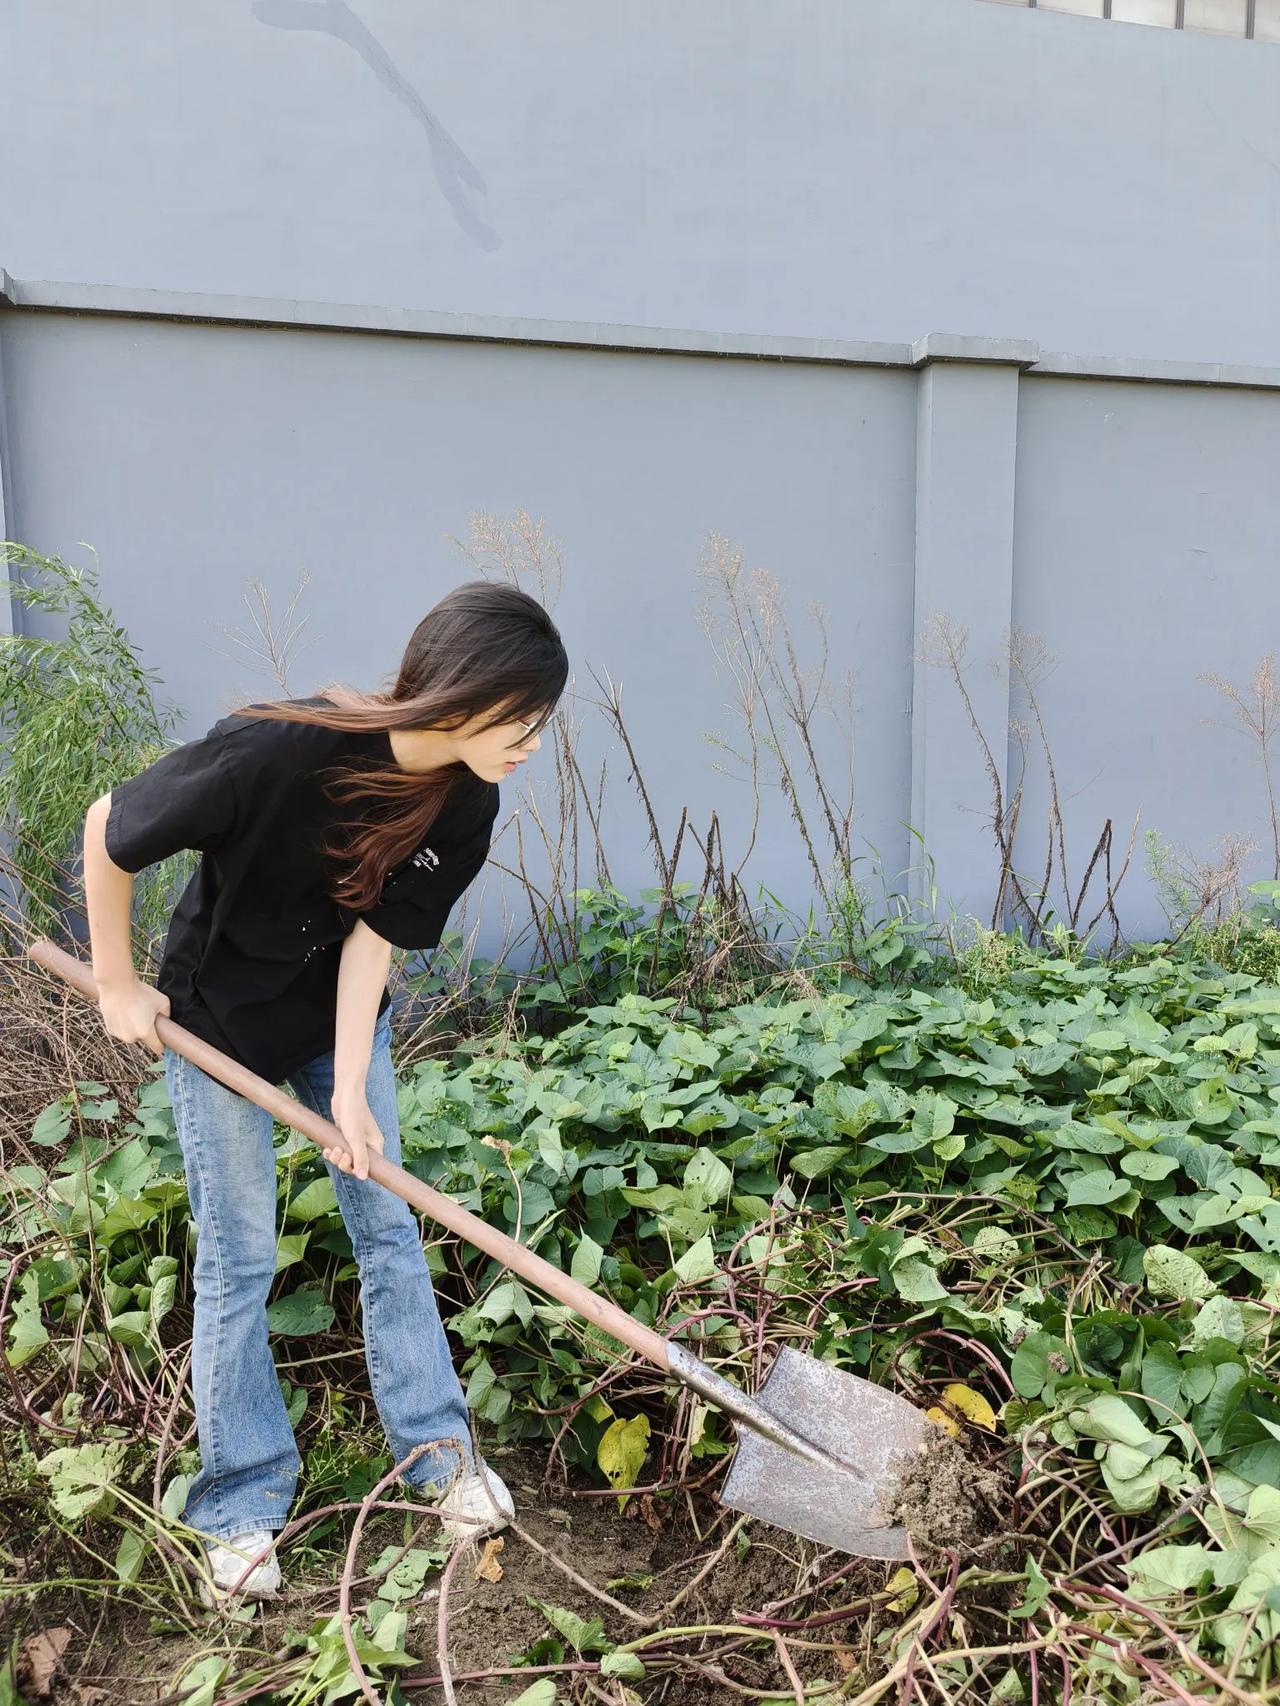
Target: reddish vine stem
[442, 1624]
[348, 1568]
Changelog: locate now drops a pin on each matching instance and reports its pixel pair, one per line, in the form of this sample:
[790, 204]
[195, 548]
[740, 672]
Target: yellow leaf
[943, 1420]
[903, 1583]
[971, 1405]
[621, 1451]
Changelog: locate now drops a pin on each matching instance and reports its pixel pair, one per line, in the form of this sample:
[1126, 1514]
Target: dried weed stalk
[50, 1037]
[746, 642]
[944, 645]
[275, 642]
[1259, 719]
[1208, 891]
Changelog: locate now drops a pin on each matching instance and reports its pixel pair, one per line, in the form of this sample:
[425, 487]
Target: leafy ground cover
[1045, 1210]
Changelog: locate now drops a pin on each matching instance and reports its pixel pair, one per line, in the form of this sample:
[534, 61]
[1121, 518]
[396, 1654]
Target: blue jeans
[249, 1459]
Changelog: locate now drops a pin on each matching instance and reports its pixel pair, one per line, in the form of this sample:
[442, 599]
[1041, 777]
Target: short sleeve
[187, 798]
[416, 901]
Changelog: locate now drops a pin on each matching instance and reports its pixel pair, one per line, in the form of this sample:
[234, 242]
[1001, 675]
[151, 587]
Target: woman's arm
[362, 976]
[128, 1006]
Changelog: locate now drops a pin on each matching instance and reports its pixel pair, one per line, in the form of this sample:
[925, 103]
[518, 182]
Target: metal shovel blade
[858, 1423]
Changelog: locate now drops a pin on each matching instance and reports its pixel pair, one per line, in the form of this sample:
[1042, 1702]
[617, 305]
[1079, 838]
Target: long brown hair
[487, 651]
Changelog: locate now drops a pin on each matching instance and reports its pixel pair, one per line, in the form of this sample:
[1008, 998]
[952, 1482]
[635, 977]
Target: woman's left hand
[352, 1117]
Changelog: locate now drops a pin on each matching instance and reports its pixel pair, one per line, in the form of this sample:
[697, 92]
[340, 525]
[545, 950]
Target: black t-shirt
[251, 958]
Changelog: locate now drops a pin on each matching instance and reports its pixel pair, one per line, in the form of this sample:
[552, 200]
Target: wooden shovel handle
[543, 1274]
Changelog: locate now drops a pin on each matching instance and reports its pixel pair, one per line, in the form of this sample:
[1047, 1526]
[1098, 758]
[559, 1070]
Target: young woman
[331, 829]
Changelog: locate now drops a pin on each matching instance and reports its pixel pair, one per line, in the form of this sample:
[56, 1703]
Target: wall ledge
[129, 302]
[954, 346]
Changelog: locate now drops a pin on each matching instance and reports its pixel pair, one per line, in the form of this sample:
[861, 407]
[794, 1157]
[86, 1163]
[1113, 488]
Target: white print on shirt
[425, 857]
[316, 947]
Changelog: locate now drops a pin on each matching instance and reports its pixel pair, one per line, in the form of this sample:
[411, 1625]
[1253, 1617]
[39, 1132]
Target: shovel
[819, 1448]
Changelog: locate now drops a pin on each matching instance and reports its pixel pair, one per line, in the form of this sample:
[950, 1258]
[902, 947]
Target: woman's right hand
[130, 1013]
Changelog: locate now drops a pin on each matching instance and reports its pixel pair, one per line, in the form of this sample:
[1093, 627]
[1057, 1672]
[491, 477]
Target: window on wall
[1162, 12]
[1257, 20]
[1216, 17]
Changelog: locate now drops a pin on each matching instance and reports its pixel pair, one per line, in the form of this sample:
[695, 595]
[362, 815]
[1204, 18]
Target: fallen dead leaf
[903, 1584]
[38, 1658]
[649, 1511]
[489, 1569]
[971, 1404]
[943, 1420]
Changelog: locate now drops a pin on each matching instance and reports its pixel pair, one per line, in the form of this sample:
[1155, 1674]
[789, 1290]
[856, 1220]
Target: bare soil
[490, 1623]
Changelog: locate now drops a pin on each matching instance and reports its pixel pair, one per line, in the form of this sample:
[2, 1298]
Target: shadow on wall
[458, 179]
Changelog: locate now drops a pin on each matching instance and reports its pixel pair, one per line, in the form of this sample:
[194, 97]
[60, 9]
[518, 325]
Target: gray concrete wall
[197, 460]
[869, 169]
[1145, 552]
[1012, 276]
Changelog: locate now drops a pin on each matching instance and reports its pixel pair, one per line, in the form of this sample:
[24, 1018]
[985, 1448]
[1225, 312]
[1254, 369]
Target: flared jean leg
[411, 1372]
[249, 1460]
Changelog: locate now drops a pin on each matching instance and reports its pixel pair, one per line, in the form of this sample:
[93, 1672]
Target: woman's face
[500, 750]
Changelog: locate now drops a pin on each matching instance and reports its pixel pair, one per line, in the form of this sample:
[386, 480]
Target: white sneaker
[228, 1560]
[478, 1502]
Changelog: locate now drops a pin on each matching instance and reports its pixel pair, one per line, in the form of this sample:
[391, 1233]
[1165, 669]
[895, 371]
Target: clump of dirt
[944, 1499]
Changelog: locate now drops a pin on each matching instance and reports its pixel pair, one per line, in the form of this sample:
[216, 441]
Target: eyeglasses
[533, 728]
